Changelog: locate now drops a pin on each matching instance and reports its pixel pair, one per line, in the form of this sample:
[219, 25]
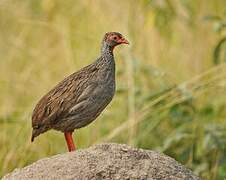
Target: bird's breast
[106, 85]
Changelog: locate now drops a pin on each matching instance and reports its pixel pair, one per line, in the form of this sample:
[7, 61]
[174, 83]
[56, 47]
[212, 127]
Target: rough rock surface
[105, 161]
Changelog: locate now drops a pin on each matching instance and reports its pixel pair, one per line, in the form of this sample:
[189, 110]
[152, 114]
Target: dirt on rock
[105, 161]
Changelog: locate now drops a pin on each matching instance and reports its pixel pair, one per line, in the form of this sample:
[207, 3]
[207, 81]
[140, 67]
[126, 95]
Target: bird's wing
[83, 99]
[56, 104]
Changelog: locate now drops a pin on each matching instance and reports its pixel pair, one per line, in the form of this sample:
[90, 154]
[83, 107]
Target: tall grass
[170, 95]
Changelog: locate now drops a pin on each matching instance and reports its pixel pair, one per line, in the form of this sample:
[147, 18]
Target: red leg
[69, 140]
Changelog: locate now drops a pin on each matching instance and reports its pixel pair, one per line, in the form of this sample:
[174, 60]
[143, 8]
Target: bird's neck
[106, 63]
[106, 50]
[107, 54]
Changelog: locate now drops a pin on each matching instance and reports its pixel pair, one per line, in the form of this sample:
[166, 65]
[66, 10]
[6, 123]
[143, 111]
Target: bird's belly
[89, 111]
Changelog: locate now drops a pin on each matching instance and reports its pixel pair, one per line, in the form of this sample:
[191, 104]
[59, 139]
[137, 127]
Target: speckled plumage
[80, 98]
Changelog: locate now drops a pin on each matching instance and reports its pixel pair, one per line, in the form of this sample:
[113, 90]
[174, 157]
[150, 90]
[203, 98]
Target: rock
[105, 161]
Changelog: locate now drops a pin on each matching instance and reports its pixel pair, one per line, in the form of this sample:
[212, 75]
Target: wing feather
[57, 103]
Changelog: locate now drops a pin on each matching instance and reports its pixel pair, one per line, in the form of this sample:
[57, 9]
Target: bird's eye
[115, 38]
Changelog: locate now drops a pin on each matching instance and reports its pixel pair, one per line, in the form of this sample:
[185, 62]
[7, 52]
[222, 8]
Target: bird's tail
[32, 138]
[37, 131]
[33, 135]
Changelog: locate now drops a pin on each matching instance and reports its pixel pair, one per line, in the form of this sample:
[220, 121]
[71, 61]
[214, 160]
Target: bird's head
[113, 39]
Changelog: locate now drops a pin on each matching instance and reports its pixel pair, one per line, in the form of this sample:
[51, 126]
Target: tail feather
[37, 131]
[32, 138]
[34, 132]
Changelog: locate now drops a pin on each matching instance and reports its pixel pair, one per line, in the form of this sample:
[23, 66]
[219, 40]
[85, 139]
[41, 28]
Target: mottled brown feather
[57, 102]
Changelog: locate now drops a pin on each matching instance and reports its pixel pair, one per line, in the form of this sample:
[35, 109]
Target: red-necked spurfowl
[80, 98]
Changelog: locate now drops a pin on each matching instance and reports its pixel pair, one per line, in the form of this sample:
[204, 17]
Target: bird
[80, 98]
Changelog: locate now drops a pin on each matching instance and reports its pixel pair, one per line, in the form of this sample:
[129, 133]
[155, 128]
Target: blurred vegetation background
[171, 80]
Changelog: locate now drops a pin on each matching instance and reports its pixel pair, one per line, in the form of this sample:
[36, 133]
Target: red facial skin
[118, 39]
